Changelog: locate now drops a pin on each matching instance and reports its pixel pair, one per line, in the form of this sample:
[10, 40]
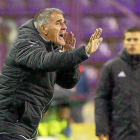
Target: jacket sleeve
[68, 78]
[102, 102]
[31, 54]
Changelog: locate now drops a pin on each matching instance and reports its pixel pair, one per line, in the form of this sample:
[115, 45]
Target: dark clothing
[31, 69]
[117, 100]
[10, 137]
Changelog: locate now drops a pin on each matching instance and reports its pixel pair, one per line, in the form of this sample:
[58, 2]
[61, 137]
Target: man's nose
[64, 27]
[132, 42]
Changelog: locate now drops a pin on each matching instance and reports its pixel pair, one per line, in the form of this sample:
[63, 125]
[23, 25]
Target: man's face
[132, 42]
[56, 29]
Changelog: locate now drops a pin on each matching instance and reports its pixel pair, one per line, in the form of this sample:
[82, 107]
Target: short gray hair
[44, 16]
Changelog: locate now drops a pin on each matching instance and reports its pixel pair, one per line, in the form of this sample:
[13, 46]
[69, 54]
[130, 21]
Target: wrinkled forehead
[57, 16]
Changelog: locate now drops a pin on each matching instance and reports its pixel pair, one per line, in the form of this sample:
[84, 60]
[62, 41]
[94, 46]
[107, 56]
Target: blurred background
[82, 17]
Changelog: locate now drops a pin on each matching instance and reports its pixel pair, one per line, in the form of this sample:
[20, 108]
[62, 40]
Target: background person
[117, 100]
[57, 123]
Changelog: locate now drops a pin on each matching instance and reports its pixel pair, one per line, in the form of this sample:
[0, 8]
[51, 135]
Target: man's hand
[70, 42]
[94, 42]
[103, 137]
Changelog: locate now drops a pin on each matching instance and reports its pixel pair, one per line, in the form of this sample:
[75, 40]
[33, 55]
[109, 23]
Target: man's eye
[135, 39]
[57, 23]
[128, 39]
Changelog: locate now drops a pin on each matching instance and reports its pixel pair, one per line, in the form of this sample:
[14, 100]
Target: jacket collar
[29, 27]
[131, 59]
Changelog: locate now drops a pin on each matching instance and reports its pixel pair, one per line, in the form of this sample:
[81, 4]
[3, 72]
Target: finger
[99, 33]
[67, 47]
[95, 34]
[73, 43]
[68, 38]
[65, 36]
[99, 41]
[92, 38]
[71, 38]
[94, 46]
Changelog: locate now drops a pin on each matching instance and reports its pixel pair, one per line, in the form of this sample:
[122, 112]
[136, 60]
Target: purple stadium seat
[63, 5]
[108, 24]
[125, 22]
[102, 54]
[16, 7]
[92, 75]
[21, 21]
[128, 3]
[137, 7]
[102, 6]
[2, 6]
[68, 23]
[122, 6]
[118, 45]
[35, 6]
[86, 6]
[89, 25]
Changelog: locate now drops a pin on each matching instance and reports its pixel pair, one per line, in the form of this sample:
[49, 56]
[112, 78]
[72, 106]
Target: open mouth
[61, 36]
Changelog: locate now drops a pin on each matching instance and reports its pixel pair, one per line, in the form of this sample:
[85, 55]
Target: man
[57, 123]
[41, 56]
[117, 100]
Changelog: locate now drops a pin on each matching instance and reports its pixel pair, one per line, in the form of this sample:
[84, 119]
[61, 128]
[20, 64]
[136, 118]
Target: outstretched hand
[94, 42]
[70, 42]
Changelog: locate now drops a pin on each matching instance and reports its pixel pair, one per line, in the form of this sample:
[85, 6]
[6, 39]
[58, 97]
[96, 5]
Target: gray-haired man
[42, 55]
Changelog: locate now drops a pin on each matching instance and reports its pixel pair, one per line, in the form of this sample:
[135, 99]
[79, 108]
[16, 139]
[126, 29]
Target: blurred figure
[82, 93]
[82, 86]
[117, 101]
[57, 123]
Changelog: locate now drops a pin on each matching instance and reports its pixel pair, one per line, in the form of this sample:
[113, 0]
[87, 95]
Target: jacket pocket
[12, 114]
[29, 113]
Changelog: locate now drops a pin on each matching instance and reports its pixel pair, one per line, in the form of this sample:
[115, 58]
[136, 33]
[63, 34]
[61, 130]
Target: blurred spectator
[57, 123]
[83, 84]
[4, 30]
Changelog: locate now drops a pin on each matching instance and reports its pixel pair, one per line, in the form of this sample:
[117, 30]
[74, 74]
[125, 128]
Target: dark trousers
[10, 137]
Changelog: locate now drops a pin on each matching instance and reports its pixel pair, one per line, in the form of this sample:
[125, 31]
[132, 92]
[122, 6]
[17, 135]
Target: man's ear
[43, 29]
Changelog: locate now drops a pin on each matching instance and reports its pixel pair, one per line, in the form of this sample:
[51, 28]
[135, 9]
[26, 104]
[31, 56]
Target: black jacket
[117, 100]
[31, 69]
